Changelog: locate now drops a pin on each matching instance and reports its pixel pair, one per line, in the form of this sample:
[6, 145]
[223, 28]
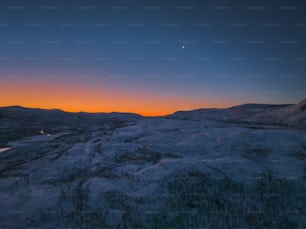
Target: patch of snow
[4, 149]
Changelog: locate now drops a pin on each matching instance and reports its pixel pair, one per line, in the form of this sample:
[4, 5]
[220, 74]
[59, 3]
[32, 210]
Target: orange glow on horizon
[87, 98]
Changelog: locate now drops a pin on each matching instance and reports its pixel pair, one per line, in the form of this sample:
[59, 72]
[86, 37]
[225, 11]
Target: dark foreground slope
[197, 169]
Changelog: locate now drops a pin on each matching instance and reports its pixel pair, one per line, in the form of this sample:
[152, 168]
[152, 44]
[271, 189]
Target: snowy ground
[125, 171]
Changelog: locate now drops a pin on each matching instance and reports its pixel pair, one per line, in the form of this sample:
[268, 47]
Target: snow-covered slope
[197, 169]
[286, 115]
[18, 122]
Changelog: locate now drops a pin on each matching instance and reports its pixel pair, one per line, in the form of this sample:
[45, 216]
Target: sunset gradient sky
[151, 57]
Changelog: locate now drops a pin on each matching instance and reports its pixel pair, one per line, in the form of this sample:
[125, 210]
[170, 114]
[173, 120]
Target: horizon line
[135, 113]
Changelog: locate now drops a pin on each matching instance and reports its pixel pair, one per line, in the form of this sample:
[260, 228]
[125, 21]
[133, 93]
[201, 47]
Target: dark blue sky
[234, 51]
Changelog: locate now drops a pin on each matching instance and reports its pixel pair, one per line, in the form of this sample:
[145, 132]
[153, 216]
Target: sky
[151, 57]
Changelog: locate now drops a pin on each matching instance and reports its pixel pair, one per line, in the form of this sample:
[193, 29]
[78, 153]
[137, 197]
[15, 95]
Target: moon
[183, 47]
